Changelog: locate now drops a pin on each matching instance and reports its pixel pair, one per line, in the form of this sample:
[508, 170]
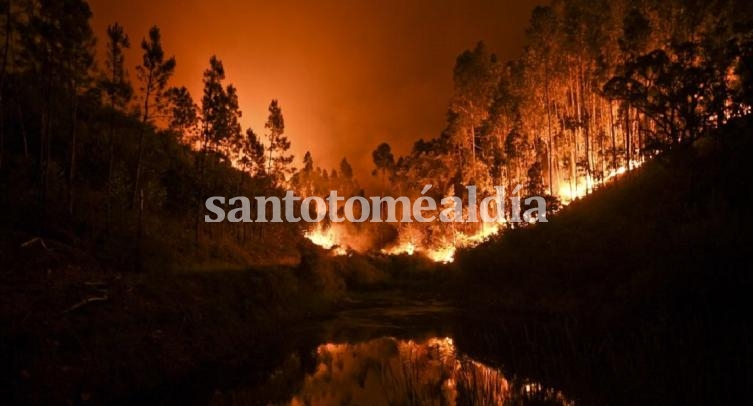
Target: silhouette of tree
[58, 48]
[153, 73]
[384, 162]
[117, 87]
[184, 114]
[278, 144]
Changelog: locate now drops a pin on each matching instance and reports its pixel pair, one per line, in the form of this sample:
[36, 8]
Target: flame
[444, 255]
[407, 248]
[327, 239]
[569, 193]
[487, 231]
[444, 251]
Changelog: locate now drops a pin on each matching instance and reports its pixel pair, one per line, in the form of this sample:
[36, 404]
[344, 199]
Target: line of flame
[445, 253]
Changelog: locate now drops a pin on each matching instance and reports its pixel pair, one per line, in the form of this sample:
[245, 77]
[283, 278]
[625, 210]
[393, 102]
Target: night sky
[348, 75]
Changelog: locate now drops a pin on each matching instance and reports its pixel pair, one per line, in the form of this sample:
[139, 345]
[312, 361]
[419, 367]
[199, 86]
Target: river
[385, 350]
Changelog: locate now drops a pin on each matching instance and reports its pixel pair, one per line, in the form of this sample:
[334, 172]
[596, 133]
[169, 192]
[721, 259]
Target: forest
[102, 159]
[106, 169]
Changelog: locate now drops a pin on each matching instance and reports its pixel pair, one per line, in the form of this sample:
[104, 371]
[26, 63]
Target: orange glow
[568, 193]
[392, 371]
[407, 248]
[328, 239]
[444, 255]
[328, 66]
[444, 251]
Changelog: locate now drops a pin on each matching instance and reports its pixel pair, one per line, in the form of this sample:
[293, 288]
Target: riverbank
[77, 331]
[74, 332]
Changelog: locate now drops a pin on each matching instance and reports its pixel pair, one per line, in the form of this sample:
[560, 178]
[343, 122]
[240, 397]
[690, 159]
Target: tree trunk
[614, 140]
[549, 127]
[138, 191]
[110, 164]
[140, 158]
[139, 163]
[140, 232]
[200, 207]
[3, 70]
[44, 150]
[627, 138]
[72, 167]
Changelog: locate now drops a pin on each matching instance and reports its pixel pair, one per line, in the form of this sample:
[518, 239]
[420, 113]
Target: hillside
[639, 292]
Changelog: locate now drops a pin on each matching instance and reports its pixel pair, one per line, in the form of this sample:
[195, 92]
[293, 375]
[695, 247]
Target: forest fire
[568, 192]
[323, 238]
[444, 252]
[462, 240]
[330, 239]
[333, 237]
[198, 207]
[443, 255]
[407, 248]
[327, 239]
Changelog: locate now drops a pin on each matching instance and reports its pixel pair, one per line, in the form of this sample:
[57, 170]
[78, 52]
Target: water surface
[387, 351]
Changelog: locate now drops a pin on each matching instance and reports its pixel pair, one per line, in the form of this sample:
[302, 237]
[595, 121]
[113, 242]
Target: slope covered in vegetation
[637, 293]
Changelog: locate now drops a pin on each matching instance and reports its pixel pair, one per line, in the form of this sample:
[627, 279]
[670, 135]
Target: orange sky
[348, 74]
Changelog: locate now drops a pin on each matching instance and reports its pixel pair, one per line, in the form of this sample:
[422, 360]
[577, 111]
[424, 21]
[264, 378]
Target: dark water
[386, 351]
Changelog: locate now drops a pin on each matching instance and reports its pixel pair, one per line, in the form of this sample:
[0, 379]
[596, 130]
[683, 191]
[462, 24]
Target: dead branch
[85, 302]
[29, 243]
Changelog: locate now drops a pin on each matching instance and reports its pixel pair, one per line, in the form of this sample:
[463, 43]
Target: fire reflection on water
[431, 372]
